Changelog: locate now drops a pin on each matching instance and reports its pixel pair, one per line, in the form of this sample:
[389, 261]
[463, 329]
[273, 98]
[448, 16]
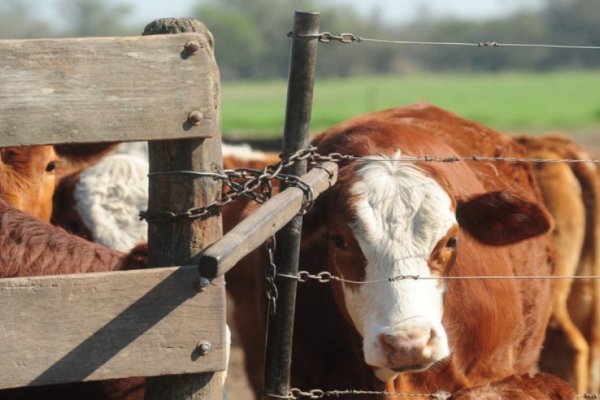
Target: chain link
[270, 274]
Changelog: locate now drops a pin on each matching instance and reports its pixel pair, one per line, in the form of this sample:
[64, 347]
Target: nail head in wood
[195, 118]
[193, 47]
[203, 347]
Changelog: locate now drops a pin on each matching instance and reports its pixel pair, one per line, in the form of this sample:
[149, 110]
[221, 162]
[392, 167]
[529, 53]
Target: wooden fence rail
[81, 327]
[107, 89]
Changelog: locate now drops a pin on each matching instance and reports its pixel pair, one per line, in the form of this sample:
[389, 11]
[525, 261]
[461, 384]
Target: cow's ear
[501, 218]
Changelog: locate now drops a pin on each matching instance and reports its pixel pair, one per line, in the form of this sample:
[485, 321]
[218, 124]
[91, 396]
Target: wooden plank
[108, 325]
[269, 218]
[106, 89]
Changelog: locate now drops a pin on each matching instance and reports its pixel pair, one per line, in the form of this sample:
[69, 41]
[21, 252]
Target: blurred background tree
[250, 45]
[96, 18]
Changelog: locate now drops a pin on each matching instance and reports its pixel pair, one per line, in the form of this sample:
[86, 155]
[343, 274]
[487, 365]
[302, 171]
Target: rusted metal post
[178, 241]
[296, 136]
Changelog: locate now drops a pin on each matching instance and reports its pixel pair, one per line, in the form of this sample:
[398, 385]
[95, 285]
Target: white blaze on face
[401, 214]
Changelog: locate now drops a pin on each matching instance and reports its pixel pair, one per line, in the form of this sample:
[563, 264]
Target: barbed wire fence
[327, 277]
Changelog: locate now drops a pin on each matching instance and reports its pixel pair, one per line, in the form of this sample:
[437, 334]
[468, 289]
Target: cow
[29, 174]
[32, 247]
[390, 216]
[102, 202]
[571, 192]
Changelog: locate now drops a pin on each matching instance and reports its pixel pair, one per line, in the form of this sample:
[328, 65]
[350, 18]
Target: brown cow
[525, 387]
[30, 247]
[387, 218]
[28, 175]
[572, 195]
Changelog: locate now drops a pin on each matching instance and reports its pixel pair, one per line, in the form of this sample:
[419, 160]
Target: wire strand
[347, 38]
[326, 277]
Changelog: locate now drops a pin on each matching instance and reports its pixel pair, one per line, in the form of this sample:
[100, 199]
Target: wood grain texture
[179, 241]
[106, 89]
[108, 325]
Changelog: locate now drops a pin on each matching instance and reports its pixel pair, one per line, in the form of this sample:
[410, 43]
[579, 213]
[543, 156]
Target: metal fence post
[296, 136]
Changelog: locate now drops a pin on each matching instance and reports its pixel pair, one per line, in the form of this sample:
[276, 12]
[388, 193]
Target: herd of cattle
[386, 217]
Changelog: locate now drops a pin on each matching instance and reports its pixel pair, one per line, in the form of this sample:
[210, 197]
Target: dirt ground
[237, 386]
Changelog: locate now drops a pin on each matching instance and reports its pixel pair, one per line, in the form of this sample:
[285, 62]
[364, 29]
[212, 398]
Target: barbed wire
[327, 277]
[296, 394]
[347, 38]
[337, 157]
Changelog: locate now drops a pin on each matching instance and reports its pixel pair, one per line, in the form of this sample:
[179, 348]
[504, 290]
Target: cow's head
[386, 219]
[28, 175]
[28, 178]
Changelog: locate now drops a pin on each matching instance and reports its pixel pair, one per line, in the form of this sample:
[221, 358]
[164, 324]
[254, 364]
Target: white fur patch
[109, 197]
[137, 149]
[401, 214]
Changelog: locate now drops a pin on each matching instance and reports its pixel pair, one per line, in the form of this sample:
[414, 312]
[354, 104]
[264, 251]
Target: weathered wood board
[109, 325]
[106, 89]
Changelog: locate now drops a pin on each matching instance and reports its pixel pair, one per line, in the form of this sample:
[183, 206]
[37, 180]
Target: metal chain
[346, 38]
[270, 274]
[250, 183]
[295, 394]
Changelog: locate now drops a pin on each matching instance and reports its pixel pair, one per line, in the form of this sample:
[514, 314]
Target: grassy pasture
[518, 102]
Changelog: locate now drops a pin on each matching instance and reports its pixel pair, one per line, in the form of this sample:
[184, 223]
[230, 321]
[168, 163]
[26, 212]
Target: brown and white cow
[387, 217]
[571, 192]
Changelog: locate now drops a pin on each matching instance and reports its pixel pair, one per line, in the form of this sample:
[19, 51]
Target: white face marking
[401, 214]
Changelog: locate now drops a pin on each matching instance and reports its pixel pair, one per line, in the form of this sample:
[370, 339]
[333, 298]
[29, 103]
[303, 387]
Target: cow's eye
[452, 242]
[51, 166]
[339, 242]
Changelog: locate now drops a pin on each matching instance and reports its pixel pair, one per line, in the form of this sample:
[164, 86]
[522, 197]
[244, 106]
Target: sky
[393, 11]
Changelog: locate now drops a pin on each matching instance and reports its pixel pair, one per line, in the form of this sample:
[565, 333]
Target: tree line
[251, 37]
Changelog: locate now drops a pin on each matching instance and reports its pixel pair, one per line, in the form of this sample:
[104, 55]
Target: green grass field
[523, 102]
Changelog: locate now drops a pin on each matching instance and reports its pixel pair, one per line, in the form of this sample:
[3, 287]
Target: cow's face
[28, 178]
[400, 222]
